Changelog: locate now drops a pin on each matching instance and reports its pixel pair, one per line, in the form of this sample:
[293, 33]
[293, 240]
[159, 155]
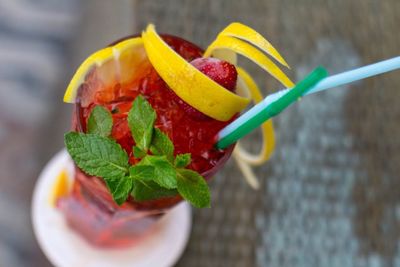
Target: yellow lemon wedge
[190, 84]
[61, 187]
[248, 34]
[245, 49]
[107, 68]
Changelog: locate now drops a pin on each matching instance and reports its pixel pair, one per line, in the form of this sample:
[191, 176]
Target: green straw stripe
[274, 108]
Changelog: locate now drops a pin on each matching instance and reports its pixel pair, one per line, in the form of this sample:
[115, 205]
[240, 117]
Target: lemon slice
[105, 68]
[267, 129]
[225, 54]
[190, 84]
[61, 187]
[245, 160]
[252, 53]
[246, 170]
[248, 34]
[239, 39]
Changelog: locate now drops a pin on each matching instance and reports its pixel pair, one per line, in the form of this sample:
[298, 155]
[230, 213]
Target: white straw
[329, 82]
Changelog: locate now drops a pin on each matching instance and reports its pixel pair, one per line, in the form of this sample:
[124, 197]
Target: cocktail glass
[89, 209]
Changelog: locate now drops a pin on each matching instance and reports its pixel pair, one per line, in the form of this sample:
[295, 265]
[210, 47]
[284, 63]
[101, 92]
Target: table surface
[328, 197]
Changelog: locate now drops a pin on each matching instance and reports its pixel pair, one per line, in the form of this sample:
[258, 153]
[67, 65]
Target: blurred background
[329, 196]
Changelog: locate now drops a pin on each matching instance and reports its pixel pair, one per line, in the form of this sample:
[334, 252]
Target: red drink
[90, 209]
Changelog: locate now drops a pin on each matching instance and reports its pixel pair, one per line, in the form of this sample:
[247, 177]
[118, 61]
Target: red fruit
[220, 71]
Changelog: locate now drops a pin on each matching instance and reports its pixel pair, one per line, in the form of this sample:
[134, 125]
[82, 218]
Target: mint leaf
[164, 172]
[141, 172]
[111, 183]
[162, 145]
[100, 121]
[144, 185]
[138, 153]
[182, 160]
[193, 188]
[141, 119]
[97, 155]
[148, 190]
[120, 188]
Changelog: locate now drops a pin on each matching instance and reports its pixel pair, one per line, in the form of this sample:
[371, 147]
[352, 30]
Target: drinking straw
[259, 114]
[273, 104]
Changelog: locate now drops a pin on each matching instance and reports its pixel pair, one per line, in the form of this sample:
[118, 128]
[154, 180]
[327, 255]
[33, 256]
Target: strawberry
[220, 71]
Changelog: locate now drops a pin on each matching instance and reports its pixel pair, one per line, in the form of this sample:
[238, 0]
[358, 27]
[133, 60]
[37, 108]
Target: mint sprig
[157, 175]
[164, 172]
[141, 120]
[162, 145]
[97, 155]
[182, 160]
[193, 188]
[143, 191]
[121, 190]
[138, 153]
[141, 172]
[100, 121]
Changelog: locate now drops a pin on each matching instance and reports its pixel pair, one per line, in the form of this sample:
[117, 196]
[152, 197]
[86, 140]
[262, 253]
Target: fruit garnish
[157, 174]
[190, 84]
[245, 49]
[240, 39]
[61, 187]
[246, 160]
[106, 68]
[248, 34]
[267, 129]
[220, 71]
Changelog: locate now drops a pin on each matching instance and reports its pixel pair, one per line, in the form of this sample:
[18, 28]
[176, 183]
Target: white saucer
[64, 248]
